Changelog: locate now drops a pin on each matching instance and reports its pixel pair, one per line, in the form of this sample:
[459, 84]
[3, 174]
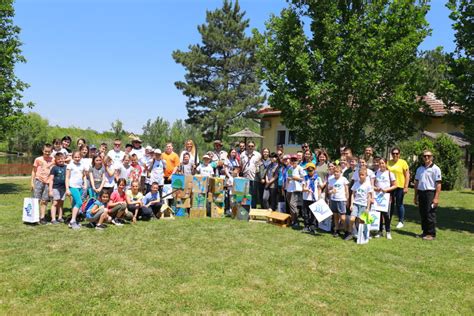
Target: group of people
[126, 185]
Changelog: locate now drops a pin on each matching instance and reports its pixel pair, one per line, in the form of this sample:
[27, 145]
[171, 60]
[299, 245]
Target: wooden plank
[197, 213]
[259, 215]
[279, 219]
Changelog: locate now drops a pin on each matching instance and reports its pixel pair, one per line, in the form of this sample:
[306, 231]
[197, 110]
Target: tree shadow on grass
[448, 218]
[10, 188]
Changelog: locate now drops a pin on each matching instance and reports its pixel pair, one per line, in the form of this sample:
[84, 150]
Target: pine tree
[220, 81]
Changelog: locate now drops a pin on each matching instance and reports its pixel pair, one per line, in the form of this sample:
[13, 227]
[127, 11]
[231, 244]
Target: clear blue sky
[93, 61]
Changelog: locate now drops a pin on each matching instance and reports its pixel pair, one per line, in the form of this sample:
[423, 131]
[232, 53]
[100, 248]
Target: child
[124, 170]
[205, 168]
[185, 167]
[103, 150]
[156, 172]
[152, 201]
[98, 213]
[57, 187]
[338, 191]
[58, 148]
[39, 180]
[118, 202]
[109, 174]
[136, 171]
[135, 203]
[75, 184]
[370, 173]
[271, 181]
[311, 193]
[96, 177]
[384, 182]
[361, 199]
[295, 176]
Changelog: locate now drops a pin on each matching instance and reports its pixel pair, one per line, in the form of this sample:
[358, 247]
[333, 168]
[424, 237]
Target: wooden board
[259, 215]
[279, 219]
[197, 213]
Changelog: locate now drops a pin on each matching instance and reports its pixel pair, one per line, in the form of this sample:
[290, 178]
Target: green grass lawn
[227, 266]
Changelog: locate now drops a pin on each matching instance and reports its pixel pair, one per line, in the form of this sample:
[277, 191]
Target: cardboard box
[241, 186]
[177, 181]
[216, 185]
[199, 201]
[217, 210]
[200, 184]
[197, 213]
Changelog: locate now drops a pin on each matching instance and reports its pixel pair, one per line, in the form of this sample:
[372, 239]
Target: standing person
[57, 187]
[261, 174]
[231, 170]
[282, 175]
[125, 170]
[145, 163]
[80, 142]
[137, 148]
[322, 168]
[249, 160]
[96, 177]
[58, 148]
[116, 154]
[385, 182]
[39, 179]
[103, 150]
[156, 172]
[307, 158]
[76, 183]
[311, 193]
[219, 154]
[427, 190]
[66, 142]
[362, 198]
[369, 157]
[370, 173]
[172, 161]
[128, 149]
[190, 148]
[294, 188]
[205, 169]
[400, 169]
[338, 191]
[136, 172]
[109, 174]
[270, 196]
[185, 167]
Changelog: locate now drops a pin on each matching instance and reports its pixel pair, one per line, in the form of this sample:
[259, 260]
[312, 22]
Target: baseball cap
[92, 147]
[148, 148]
[157, 151]
[310, 165]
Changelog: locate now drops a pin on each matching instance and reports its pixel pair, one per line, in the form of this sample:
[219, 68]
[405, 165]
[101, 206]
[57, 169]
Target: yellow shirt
[399, 168]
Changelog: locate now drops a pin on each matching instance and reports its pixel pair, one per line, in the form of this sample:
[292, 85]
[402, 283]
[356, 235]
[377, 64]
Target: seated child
[135, 203]
[118, 203]
[152, 201]
[99, 213]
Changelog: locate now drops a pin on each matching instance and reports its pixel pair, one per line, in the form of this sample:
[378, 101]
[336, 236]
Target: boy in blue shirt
[57, 187]
[152, 200]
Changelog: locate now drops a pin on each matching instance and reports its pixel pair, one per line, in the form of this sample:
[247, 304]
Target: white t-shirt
[206, 171]
[427, 177]
[125, 173]
[109, 179]
[250, 164]
[87, 162]
[370, 175]
[308, 196]
[77, 174]
[157, 173]
[295, 185]
[191, 157]
[361, 192]
[139, 152]
[383, 179]
[340, 186]
[117, 157]
[62, 150]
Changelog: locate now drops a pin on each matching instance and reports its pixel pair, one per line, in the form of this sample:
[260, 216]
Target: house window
[281, 138]
[291, 138]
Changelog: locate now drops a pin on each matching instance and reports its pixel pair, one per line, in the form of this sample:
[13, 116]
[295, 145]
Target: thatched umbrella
[246, 133]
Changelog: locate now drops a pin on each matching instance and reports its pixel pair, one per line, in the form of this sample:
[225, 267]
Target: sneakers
[116, 222]
[43, 221]
[335, 234]
[74, 225]
[349, 237]
[389, 236]
[378, 235]
[429, 237]
[54, 222]
[60, 220]
[306, 230]
[400, 225]
[100, 227]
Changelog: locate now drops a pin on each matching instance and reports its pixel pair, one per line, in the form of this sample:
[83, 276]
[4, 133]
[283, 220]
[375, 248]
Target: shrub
[447, 157]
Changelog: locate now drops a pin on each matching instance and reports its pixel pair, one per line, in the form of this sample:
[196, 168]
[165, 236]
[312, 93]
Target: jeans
[143, 212]
[270, 197]
[397, 201]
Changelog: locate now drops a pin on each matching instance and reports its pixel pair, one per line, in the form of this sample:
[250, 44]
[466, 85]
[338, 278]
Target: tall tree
[156, 133]
[117, 128]
[432, 66]
[220, 80]
[30, 134]
[11, 87]
[348, 77]
[459, 87]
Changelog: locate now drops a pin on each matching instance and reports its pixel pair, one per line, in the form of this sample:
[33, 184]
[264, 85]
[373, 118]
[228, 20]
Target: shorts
[41, 190]
[338, 207]
[59, 194]
[358, 209]
[95, 218]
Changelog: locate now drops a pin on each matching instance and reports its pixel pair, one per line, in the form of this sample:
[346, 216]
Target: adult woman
[307, 158]
[262, 171]
[322, 166]
[231, 170]
[190, 148]
[400, 169]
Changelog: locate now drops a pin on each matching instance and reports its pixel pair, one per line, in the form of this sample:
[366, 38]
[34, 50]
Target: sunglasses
[395, 153]
[427, 156]
[310, 170]
[117, 144]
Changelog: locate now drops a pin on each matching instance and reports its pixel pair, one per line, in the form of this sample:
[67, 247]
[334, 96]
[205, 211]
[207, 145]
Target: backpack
[86, 205]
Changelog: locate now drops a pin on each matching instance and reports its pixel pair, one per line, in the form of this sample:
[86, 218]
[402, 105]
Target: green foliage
[432, 66]
[117, 128]
[220, 81]
[30, 134]
[349, 75]
[448, 157]
[11, 87]
[458, 91]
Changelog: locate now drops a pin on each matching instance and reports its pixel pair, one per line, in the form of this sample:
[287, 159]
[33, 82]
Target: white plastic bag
[30, 210]
[363, 234]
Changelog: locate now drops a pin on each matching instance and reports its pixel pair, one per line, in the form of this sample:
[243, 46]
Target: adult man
[172, 161]
[137, 148]
[249, 163]
[218, 153]
[427, 190]
[116, 154]
[369, 157]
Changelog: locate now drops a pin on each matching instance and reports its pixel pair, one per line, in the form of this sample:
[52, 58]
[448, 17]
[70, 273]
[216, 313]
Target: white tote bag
[363, 234]
[30, 210]
[376, 223]
[320, 210]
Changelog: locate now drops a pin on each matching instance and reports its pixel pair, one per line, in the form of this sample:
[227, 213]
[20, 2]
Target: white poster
[381, 202]
[320, 210]
[167, 190]
[30, 210]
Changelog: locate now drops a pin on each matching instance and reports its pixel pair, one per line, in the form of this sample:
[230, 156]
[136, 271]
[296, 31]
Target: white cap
[157, 151]
[148, 148]
[206, 156]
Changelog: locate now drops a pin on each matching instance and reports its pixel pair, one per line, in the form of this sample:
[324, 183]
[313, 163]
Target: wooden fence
[15, 169]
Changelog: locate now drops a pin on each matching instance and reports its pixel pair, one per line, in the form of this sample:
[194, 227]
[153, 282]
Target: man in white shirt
[116, 154]
[249, 163]
[427, 190]
[137, 148]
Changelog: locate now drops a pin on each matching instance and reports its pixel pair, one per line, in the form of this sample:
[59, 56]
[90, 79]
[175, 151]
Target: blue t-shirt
[149, 197]
[59, 173]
